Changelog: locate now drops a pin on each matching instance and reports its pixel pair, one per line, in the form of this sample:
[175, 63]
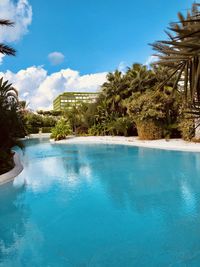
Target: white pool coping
[172, 144]
[32, 136]
[9, 176]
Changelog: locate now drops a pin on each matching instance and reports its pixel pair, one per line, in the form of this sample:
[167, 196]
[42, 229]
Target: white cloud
[1, 58]
[20, 12]
[39, 89]
[150, 60]
[122, 66]
[56, 58]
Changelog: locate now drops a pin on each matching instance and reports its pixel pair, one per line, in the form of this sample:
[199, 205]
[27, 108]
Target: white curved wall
[9, 176]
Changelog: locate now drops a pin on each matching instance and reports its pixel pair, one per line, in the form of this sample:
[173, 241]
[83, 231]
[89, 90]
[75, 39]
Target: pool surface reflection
[101, 205]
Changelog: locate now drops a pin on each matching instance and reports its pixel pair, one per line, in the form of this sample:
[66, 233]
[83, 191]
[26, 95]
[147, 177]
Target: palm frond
[181, 53]
[6, 22]
[7, 50]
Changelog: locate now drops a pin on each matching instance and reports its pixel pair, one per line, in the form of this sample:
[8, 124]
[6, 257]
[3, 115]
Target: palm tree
[7, 93]
[23, 107]
[181, 54]
[8, 117]
[162, 74]
[140, 78]
[4, 49]
[10, 122]
[114, 90]
[120, 87]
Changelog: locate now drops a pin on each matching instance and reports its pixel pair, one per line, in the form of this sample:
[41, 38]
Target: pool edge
[162, 144]
[10, 175]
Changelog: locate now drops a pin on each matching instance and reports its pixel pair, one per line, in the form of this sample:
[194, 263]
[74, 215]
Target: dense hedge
[46, 129]
[149, 130]
[187, 128]
[35, 123]
[32, 130]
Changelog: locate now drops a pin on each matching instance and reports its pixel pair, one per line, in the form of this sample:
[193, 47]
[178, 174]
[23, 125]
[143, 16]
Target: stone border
[9, 176]
[171, 144]
[33, 136]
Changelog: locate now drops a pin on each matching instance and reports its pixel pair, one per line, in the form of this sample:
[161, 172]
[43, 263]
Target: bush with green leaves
[53, 113]
[149, 130]
[48, 121]
[10, 120]
[61, 130]
[11, 124]
[97, 129]
[46, 129]
[121, 126]
[187, 128]
[153, 111]
[33, 122]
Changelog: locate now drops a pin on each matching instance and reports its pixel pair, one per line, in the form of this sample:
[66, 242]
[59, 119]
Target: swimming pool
[101, 205]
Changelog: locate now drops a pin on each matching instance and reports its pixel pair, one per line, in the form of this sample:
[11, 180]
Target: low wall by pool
[9, 176]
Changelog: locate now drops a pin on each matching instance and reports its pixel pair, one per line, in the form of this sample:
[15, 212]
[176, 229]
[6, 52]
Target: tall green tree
[181, 55]
[114, 91]
[139, 79]
[10, 120]
[8, 112]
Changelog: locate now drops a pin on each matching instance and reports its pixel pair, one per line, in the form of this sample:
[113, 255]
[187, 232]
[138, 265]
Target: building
[68, 100]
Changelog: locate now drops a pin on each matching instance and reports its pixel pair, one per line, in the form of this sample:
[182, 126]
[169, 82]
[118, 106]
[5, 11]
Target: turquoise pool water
[101, 205]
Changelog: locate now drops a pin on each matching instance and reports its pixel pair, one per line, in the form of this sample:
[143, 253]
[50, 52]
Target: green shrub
[48, 121]
[33, 122]
[98, 129]
[61, 130]
[82, 131]
[46, 129]
[154, 112]
[171, 131]
[149, 130]
[32, 130]
[121, 126]
[187, 128]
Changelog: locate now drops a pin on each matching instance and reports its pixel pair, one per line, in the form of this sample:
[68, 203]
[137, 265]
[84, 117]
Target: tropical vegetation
[10, 117]
[129, 102]
[10, 124]
[160, 101]
[35, 123]
[61, 130]
[157, 101]
[181, 54]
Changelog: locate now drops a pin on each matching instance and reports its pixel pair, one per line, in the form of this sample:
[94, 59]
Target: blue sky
[86, 37]
[93, 35]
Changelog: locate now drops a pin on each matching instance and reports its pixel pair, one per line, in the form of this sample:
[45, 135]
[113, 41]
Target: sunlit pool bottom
[101, 205]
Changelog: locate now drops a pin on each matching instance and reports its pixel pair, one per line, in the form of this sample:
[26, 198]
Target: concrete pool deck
[172, 144]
